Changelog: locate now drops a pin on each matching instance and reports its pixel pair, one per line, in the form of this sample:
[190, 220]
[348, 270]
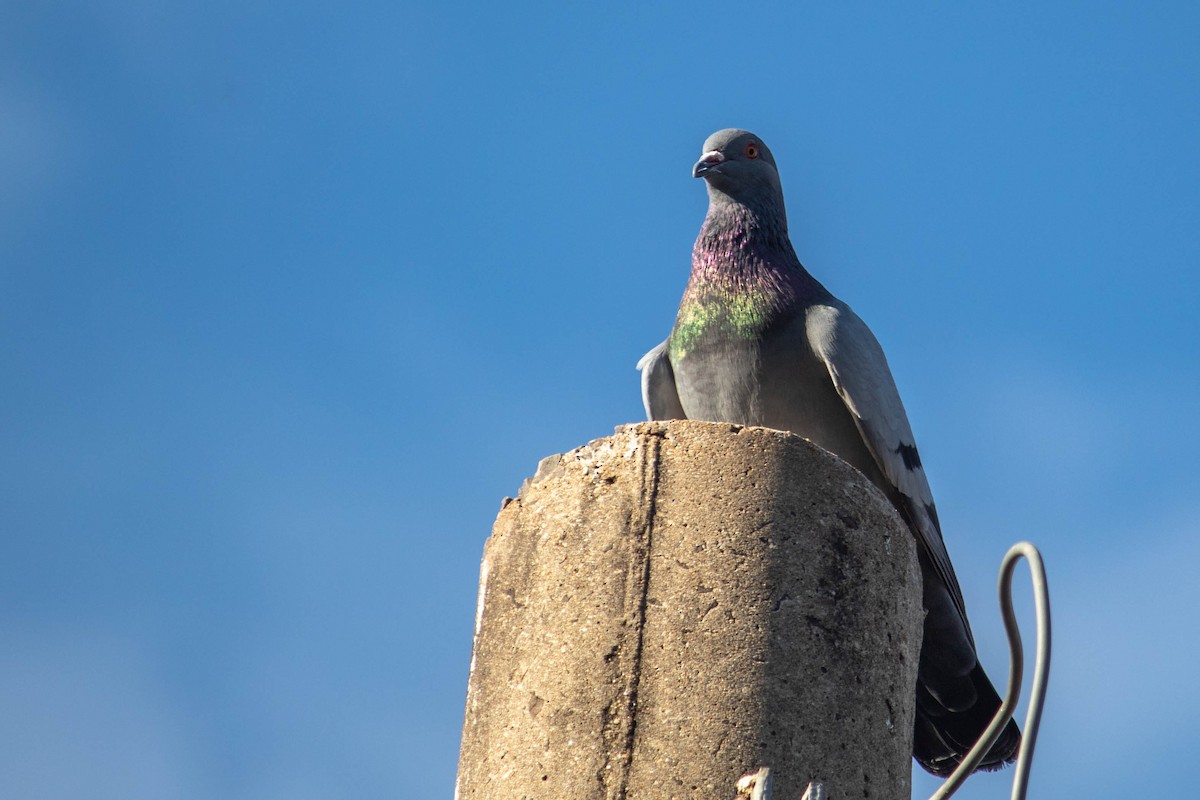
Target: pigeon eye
[751, 151]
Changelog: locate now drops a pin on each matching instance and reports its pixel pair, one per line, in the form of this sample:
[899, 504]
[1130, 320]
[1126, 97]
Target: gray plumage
[759, 341]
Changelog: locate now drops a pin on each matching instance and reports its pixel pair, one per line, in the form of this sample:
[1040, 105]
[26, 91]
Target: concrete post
[673, 606]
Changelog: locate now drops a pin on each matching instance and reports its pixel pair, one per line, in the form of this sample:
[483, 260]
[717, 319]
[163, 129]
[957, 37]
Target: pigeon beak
[707, 163]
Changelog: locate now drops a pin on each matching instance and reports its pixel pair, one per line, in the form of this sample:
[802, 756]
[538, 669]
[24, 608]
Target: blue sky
[291, 297]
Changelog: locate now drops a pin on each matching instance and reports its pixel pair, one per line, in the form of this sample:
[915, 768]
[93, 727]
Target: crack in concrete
[620, 716]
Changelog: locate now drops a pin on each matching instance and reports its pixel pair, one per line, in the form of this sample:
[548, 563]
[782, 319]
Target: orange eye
[751, 150]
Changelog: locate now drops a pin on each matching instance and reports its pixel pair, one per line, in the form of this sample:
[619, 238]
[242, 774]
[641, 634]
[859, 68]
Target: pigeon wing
[860, 374]
[659, 394]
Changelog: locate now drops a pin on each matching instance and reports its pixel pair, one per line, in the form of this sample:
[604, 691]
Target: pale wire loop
[1041, 670]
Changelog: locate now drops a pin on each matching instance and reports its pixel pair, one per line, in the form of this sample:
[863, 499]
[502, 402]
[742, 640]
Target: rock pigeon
[759, 341]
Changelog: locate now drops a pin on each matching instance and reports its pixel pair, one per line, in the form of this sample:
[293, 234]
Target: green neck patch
[717, 316]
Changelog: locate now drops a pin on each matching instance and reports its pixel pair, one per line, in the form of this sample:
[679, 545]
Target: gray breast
[777, 382]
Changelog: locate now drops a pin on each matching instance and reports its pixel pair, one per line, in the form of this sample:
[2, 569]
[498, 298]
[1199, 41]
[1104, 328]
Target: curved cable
[1041, 671]
[1041, 664]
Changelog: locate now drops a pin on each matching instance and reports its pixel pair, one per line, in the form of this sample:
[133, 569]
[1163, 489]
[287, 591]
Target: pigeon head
[737, 165]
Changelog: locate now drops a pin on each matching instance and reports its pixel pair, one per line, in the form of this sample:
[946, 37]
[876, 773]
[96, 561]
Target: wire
[1041, 671]
[1041, 664]
[755, 785]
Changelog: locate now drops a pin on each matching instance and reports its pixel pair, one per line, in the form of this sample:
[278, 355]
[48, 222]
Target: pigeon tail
[942, 738]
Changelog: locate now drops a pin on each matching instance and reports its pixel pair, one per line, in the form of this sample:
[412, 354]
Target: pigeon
[759, 341]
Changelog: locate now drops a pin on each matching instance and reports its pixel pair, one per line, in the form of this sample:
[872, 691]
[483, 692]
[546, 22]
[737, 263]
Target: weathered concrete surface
[670, 607]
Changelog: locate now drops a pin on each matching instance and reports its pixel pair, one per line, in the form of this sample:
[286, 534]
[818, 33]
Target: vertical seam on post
[620, 723]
